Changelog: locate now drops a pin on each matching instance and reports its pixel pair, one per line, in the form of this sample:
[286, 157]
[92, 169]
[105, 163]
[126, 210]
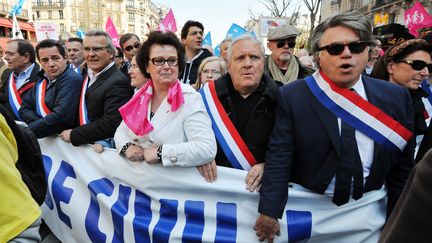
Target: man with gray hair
[282, 65]
[248, 98]
[336, 134]
[105, 89]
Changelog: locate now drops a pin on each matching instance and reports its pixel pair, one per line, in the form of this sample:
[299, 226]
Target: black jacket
[61, 98]
[103, 98]
[23, 90]
[190, 71]
[261, 119]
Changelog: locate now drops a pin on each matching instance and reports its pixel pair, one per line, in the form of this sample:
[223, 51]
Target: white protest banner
[46, 31]
[106, 198]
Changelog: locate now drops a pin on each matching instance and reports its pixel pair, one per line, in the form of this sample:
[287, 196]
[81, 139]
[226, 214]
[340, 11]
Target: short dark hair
[24, 46]
[119, 50]
[75, 39]
[50, 43]
[159, 38]
[189, 24]
[127, 37]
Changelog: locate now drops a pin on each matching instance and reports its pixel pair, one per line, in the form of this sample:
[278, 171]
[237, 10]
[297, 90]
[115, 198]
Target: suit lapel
[328, 121]
[100, 80]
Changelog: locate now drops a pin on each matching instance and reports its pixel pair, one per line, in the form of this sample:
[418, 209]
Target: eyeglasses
[418, 64]
[95, 49]
[213, 72]
[159, 61]
[355, 47]
[119, 56]
[130, 47]
[281, 43]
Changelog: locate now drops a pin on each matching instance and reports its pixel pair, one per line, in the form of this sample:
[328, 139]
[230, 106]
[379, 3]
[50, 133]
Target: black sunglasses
[418, 64]
[355, 47]
[130, 47]
[281, 43]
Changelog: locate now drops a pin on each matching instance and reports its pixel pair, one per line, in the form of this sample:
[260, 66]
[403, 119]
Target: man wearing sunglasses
[129, 43]
[329, 139]
[282, 65]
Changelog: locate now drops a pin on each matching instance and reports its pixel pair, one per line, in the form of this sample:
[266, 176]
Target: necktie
[349, 167]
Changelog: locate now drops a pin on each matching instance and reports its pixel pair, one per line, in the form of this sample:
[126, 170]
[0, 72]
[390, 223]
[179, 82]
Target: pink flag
[112, 32]
[417, 18]
[168, 23]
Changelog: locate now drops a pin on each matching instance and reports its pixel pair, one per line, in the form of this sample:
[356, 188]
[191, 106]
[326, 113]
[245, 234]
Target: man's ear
[391, 67]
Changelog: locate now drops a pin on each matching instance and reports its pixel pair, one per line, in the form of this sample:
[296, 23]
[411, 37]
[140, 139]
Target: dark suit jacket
[4, 93]
[410, 220]
[61, 98]
[103, 98]
[304, 147]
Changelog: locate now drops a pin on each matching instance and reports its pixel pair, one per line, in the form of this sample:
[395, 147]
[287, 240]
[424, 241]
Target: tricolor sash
[83, 117]
[41, 108]
[14, 96]
[358, 112]
[227, 135]
[427, 101]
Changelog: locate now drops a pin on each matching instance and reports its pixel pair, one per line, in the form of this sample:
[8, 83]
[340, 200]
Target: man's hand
[266, 228]
[134, 153]
[208, 171]
[253, 177]
[65, 135]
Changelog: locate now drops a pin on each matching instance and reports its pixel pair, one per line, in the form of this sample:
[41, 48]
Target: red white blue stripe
[41, 108]
[14, 96]
[83, 117]
[227, 135]
[359, 113]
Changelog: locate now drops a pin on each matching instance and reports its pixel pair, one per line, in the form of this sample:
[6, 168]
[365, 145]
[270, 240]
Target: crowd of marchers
[347, 119]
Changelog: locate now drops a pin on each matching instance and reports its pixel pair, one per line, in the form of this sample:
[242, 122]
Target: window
[62, 27]
[60, 14]
[37, 14]
[131, 16]
[49, 14]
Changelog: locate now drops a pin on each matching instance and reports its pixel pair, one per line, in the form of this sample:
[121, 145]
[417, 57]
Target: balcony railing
[41, 3]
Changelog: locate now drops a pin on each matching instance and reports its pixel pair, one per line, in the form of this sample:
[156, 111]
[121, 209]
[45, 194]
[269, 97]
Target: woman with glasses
[408, 64]
[166, 121]
[211, 68]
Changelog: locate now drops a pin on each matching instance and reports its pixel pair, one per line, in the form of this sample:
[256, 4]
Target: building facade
[26, 27]
[136, 16]
[381, 12]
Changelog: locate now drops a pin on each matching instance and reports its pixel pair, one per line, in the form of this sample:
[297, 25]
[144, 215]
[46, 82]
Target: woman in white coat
[166, 121]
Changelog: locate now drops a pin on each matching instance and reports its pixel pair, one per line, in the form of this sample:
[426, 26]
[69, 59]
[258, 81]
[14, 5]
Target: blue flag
[235, 31]
[216, 50]
[80, 34]
[207, 40]
[17, 8]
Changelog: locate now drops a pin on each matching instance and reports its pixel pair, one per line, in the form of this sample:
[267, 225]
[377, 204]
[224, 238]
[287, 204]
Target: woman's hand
[253, 177]
[150, 155]
[208, 171]
[134, 153]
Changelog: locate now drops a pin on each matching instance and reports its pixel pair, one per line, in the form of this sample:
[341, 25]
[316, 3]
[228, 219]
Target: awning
[23, 25]
[26, 26]
[5, 22]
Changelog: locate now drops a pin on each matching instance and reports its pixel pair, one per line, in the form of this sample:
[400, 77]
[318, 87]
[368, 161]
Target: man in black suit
[21, 75]
[323, 142]
[104, 91]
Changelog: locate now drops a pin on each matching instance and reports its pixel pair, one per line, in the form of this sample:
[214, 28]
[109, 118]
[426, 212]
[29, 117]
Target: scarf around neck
[290, 75]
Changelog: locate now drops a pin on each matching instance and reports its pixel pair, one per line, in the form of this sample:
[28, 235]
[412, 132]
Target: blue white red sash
[83, 117]
[227, 135]
[358, 112]
[427, 101]
[41, 108]
[14, 96]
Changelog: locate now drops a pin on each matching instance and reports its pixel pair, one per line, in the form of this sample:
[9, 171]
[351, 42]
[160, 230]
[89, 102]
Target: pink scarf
[134, 112]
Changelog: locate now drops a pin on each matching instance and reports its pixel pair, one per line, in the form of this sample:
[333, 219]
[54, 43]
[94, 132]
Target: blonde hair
[222, 67]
